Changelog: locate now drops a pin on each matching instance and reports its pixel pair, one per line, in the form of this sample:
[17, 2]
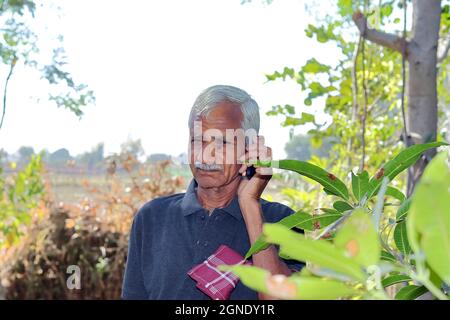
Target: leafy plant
[361, 257]
[20, 195]
[91, 233]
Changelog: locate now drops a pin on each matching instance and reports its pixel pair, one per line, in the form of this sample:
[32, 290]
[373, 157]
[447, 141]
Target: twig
[13, 63]
[364, 115]
[354, 97]
[405, 132]
[364, 86]
[382, 38]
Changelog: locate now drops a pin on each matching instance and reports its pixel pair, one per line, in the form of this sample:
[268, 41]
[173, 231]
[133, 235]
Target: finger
[264, 171]
[243, 169]
[261, 141]
[265, 154]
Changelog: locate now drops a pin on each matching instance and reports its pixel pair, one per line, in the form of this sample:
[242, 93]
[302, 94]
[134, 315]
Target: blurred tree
[19, 45]
[157, 157]
[93, 159]
[25, 154]
[364, 91]
[421, 53]
[59, 158]
[132, 147]
[301, 148]
[3, 156]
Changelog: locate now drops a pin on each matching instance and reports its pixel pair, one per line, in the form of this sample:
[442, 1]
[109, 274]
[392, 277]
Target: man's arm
[133, 283]
[268, 258]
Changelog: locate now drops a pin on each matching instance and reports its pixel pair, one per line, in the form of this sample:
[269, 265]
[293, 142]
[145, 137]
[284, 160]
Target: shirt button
[198, 242]
[205, 244]
[203, 217]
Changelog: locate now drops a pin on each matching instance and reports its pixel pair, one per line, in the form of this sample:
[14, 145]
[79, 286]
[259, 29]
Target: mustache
[208, 167]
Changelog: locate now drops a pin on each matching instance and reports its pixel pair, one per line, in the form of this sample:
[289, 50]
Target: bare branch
[384, 39]
[354, 97]
[365, 105]
[13, 63]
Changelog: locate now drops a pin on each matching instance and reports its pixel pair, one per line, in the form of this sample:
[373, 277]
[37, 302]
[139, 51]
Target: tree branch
[13, 63]
[354, 98]
[384, 39]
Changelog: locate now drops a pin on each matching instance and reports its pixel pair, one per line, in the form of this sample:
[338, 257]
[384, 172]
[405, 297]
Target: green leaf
[397, 278]
[410, 292]
[359, 239]
[329, 181]
[301, 220]
[301, 287]
[402, 161]
[394, 192]
[342, 206]
[429, 217]
[318, 252]
[345, 7]
[251, 276]
[401, 238]
[386, 256]
[313, 66]
[290, 222]
[313, 288]
[403, 209]
[293, 121]
[319, 221]
[360, 184]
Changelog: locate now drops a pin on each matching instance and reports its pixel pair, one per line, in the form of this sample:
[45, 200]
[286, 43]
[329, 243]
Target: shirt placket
[203, 241]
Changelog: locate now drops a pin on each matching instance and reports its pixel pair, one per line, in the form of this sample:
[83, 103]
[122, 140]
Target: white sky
[148, 60]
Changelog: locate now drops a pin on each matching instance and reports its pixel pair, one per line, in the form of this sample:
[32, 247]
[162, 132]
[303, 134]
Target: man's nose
[209, 157]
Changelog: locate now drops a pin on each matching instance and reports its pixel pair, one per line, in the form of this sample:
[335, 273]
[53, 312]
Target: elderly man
[221, 206]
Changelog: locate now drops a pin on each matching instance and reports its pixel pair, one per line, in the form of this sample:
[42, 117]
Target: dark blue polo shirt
[171, 234]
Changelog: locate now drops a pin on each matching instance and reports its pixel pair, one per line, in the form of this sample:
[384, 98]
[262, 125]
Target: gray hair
[214, 95]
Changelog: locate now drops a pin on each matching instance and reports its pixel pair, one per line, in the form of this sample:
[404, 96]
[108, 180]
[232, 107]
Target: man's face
[214, 153]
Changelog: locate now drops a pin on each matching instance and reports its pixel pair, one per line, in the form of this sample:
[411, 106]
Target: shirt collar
[190, 203]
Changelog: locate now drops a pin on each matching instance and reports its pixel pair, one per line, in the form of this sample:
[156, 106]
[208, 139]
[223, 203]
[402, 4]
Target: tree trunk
[422, 92]
[421, 54]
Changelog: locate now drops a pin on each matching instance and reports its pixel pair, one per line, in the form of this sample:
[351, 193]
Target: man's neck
[212, 198]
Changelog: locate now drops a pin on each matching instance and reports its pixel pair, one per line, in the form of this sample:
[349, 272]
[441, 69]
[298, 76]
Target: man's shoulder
[160, 204]
[275, 211]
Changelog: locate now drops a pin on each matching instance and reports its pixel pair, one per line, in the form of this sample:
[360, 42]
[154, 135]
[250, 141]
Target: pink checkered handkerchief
[217, 284]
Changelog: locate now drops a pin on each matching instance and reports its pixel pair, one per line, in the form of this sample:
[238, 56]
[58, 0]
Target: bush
[92, 235]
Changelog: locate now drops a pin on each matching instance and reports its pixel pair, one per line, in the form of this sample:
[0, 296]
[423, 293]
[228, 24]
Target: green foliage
[331, 86]
[302, 288]
[19, 44]
[403, 160]
[329, 181]
[360, 184]
[18, 197]
[359, 259]
[429, 217]
[359, 239]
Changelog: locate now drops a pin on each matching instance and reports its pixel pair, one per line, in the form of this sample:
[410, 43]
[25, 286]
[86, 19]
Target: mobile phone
[250, 172]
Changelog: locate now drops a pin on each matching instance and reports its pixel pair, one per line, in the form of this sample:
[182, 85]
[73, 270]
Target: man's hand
[253, 188]
[249, 193]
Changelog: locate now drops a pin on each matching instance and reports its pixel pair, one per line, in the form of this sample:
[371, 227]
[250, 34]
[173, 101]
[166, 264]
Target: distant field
[68, 187]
